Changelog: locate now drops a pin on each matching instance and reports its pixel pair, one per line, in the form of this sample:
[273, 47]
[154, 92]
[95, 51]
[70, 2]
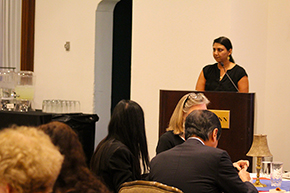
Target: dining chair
[142, 186]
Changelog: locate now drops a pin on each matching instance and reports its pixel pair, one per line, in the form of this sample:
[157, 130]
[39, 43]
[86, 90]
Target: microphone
[229, 77]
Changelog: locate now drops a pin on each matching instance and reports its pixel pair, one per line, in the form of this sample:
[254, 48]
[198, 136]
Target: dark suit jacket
[194, 167]
[117, 166]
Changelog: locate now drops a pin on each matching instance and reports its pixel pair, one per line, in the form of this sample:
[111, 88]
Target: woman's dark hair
[74, 176]
[226, 42]
[126, 125]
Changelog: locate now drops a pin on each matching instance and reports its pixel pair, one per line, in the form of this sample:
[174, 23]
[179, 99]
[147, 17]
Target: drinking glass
[53, 106]
[48, 106]
[73, 106]
[69, 106]
[78, 106]
[276, 174]
[63, 107]
[266, 166]
[45, 106]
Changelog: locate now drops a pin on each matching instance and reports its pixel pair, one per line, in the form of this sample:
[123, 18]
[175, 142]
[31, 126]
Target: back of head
[127, 126]
[29, 162]
[201, 123]
[74, 174]
[65, 138]
[176, 123]
[127, 122]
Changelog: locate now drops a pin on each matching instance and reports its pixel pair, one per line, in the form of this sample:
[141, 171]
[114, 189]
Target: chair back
[142, 186]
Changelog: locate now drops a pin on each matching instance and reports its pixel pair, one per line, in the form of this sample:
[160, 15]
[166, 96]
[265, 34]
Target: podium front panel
[238, 138]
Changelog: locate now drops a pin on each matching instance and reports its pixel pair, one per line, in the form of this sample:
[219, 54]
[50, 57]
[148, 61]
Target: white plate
[286, 176]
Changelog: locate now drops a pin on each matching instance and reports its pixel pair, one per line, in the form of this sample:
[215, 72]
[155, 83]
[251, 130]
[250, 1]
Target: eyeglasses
[199, 97]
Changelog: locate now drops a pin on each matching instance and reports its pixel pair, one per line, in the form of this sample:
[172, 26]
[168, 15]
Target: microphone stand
[222, 64]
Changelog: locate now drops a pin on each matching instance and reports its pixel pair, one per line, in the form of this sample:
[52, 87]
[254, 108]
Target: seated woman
[175, 131]
[29, 162]
[117, 157]
[75, 176]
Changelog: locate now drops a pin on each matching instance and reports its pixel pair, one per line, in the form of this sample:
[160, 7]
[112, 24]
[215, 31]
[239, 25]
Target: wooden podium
[237, 139]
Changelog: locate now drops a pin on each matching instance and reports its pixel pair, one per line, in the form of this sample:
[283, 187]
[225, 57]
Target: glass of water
[266, 166]
[276, 174]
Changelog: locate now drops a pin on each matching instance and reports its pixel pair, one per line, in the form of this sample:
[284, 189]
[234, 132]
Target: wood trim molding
[27, 35]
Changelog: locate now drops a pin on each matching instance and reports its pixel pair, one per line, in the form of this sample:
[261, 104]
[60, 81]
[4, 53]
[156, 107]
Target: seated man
[197, 165]
[29, 162]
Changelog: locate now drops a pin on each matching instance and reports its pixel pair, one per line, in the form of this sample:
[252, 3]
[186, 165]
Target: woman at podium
[174, 134]
[225, 75]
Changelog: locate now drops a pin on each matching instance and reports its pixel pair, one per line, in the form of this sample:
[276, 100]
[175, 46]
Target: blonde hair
[176, 123]
[29, 162]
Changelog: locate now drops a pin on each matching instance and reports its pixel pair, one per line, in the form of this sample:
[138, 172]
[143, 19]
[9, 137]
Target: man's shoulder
[165, 154]
[195, 144]
[216, 150]
[191, 145]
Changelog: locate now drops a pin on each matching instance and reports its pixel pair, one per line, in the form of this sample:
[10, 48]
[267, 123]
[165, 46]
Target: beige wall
[171, 43]
[65, 74]
[172, 49]
[277, 79]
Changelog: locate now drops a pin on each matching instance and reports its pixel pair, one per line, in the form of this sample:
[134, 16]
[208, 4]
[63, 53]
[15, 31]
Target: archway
[112, 59]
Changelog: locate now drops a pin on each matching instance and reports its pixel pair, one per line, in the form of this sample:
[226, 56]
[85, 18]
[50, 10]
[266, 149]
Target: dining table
[265, 179]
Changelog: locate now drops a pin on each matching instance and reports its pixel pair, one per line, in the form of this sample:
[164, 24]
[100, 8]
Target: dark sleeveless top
[212, 75]
[167, 141]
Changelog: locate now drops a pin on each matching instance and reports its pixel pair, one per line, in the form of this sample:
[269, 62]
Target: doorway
[112, 59]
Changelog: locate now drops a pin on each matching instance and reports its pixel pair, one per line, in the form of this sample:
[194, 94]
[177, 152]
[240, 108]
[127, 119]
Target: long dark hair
[74, 176]
[126, 125]
[226, 42]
